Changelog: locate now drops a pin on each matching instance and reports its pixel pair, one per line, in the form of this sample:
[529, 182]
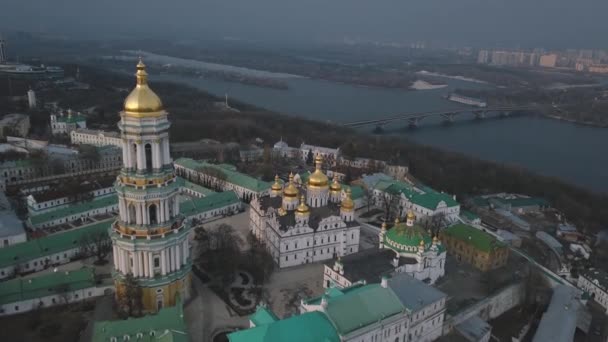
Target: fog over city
[549, 23]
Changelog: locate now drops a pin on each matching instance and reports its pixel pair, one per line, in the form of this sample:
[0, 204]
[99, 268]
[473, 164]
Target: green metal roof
[53, 283]
[232, 176]
[479, 239]
[408, 236]
[217, 200]
[432, 199]
[56, 243]
[361, 307]
[262, 316]
[194, 187]
[307, 327]
[74, 209]
[468, 215]
[72, 119]
[167, 325]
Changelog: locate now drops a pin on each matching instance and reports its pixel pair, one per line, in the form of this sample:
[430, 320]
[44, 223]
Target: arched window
[148, 149]
[152, 214]
[132, 213]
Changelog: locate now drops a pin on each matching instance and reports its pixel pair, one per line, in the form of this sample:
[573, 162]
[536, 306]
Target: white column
[135, 264]
[175, 258]
[150, 265]
[115, 256]
[185, 252]
[141, 157]
[125, 153]
[157, 208]
[163, 262]
[121, 257]
[144, 214]
[145, 267]
[167, 214]
[157, 162]
[166, 153]
[138, 214]
[122, 209]
[175, 207]
[161, 211]
[179, 256]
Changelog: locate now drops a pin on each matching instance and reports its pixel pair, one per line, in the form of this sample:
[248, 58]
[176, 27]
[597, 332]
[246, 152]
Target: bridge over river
[448, 115]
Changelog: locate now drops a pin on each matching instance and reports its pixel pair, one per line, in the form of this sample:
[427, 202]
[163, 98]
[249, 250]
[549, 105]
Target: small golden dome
[276, 187]
[335, 185]
[302, 208]
[421, 243]
[290, 190]
[318, 179]
[410, 215]
[397, 220]
[347, 202]
[384, 226]
[142, 101]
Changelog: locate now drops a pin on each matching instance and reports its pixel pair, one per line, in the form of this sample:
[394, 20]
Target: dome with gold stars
[318, 179]
[142, 101]
[406, 237]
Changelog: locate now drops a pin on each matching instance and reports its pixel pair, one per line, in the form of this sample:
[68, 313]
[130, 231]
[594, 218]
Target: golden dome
[421, 243]
[396, 220]
[142, 101]
[318, 179]
[347, 202]
[410, 215]
[290, 190]
[335, 185]
[302, 208]
[384, 226]
[276, 187]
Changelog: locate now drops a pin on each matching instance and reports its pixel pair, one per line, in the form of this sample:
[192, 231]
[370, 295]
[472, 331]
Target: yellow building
[474, 246]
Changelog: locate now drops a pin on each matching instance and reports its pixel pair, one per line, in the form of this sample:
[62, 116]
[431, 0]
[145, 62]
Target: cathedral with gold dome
[308, 223]
[150, 236]
[417, 253]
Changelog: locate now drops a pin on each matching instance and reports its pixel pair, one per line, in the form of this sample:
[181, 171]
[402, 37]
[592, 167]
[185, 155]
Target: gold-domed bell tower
[317, 190]
[335, 190]
[347, 207]
[290, 195]
[150, 236]
[410, 219]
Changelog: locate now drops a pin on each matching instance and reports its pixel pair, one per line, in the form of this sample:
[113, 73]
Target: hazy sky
[576, 23]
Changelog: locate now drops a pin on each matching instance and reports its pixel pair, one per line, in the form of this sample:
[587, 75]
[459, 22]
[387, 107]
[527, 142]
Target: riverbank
[424, 85]
[460, 78]
[573, 121]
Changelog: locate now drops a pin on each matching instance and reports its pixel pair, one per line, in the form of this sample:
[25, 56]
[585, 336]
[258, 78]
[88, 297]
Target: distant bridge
[448, 115]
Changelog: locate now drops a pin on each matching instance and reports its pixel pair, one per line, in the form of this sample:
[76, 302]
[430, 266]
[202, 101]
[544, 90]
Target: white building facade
[595, 282]
[95, 137]
[310, 224]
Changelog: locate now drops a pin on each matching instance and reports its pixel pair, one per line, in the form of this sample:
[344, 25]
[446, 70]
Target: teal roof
[23, 289]
[471, 235]
[356, 191]
[56, 243]
[72, 119]
[73, 209]
[262, 316]
[167, 325]
[214, 201]
[468, 215]
[232, 176]
[361, 307]
[408, 236]
[194, 187]
[423, 196]
[307, 327]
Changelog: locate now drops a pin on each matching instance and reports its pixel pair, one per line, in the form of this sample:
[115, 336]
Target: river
[570, 152]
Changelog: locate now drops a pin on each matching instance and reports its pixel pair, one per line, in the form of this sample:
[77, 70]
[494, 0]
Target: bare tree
[96, 244]
[435, 223]
[130, 296]
[390, 205]
[368, 197]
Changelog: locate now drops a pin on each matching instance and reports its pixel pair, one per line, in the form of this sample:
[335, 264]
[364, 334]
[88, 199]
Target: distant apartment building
[595, 282]
[95, 137]
[548, 61]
